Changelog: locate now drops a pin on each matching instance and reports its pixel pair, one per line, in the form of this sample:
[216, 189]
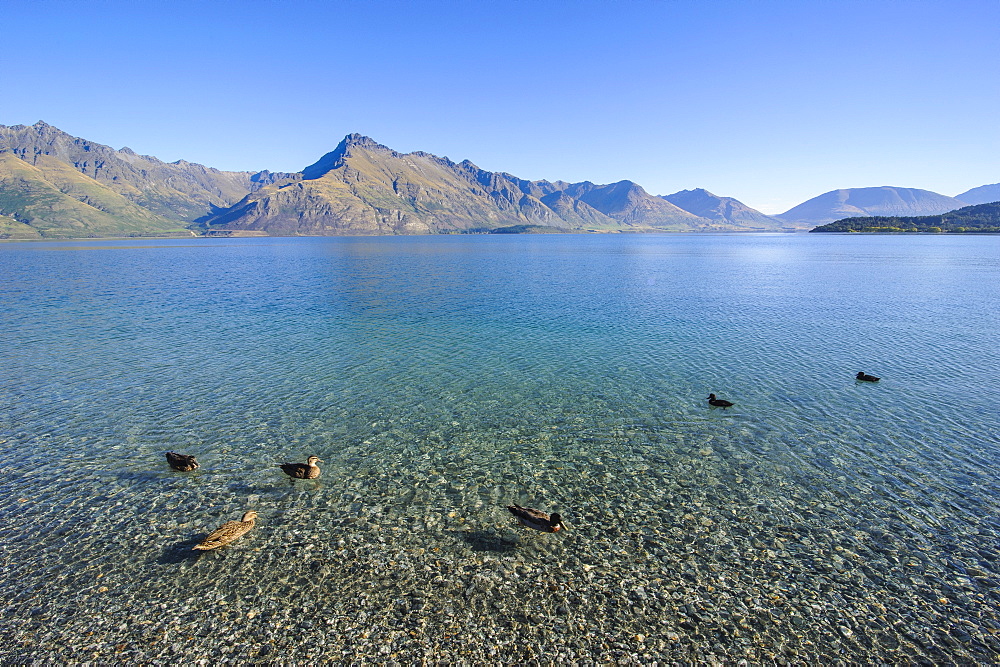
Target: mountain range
[55, 185]
[365, 187]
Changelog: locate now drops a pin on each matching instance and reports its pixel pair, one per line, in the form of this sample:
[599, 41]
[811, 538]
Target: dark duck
[182, 462]
[718, 402]
[864, 377]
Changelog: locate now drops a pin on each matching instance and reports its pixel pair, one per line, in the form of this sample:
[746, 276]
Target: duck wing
[299, 470]
[224, 534]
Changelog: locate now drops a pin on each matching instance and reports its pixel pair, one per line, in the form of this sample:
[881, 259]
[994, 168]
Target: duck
[182, 462]
[864, 377]
[307, 470]
[227, 532]
[537, 519]
[718, 402]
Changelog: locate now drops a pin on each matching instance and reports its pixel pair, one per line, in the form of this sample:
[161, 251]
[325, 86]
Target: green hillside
[979, 219]
[11, 229]
[181, 190]
[57, 201]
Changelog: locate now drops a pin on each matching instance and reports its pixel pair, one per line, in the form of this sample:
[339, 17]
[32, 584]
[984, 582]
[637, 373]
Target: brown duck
[182, 462]
[227, 532]
[307, 470]
[537, 519]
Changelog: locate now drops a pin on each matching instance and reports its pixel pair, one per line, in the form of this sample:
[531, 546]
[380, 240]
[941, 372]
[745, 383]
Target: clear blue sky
[771, 102]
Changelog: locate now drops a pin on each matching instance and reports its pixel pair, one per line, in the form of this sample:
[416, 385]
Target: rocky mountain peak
[344, 150]
[361, 141]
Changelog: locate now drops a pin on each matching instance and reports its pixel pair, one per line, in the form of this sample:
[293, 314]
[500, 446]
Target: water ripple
[440, 379]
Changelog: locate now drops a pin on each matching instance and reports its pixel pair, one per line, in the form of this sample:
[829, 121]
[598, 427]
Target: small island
[979, 219]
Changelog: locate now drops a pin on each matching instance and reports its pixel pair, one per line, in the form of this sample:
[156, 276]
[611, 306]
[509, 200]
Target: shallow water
[440, 378]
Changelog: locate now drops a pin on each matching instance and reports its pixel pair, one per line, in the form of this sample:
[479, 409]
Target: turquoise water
[440, 378]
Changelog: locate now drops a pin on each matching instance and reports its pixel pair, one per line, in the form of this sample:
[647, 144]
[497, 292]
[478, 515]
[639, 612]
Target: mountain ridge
[365, 187]
[984, 194]
[53, 184]
[52, 199]
[180, 190]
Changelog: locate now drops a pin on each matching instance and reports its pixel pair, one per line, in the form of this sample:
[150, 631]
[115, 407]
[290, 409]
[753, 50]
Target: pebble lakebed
[693, 549]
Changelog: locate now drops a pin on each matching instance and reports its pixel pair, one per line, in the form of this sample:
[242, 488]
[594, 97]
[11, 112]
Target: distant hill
[725, 210]
[363, 187]
[628, 204]
[49, 198]
[12, 229]
[858, 202]
[979, 219]
[114, 192]
[984, 194]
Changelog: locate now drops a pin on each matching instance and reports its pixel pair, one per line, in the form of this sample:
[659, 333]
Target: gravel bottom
[701, 553]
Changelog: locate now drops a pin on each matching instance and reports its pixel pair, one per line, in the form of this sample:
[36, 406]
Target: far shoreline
[203, 237]
[374, 236]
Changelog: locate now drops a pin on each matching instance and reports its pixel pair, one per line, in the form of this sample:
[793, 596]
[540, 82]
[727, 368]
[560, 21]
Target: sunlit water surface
[441, 378]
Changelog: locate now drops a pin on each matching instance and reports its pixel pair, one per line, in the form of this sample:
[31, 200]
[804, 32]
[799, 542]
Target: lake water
[441, 378]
